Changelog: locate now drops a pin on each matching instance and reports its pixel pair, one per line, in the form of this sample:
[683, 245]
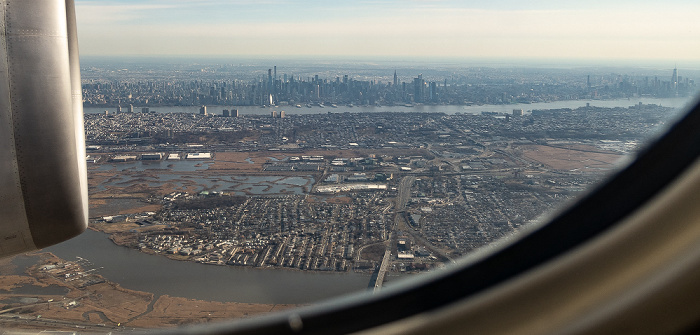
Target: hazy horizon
[553, 32]
[396, 62]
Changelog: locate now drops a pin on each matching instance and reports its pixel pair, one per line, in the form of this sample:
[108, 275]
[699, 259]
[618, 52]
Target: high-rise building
[234, 112]
[433, 91]
[273, 114]
[131, 108]
[418, 88]
[674, 79]
[269, 80]
[203, 110]
[282, 115]
[274, 82]
[119, 109]
[145, 109]
[226, 113]
[396, 79]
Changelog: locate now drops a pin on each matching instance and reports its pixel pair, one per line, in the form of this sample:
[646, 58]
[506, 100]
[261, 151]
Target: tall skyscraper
[131, 108]
[674, 79]
[274, 83]
[418, 88]
[396, 79]
[269, 80]
[433, 95]
[203, 110]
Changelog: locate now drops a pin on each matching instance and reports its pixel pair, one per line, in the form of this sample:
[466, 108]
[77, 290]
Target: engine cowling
[43, 174]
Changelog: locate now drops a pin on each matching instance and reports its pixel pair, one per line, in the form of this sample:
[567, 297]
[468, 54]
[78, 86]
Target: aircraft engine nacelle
[43, 176]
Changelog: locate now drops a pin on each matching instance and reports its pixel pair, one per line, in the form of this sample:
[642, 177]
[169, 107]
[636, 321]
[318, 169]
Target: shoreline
[96, 303]
[183, 259]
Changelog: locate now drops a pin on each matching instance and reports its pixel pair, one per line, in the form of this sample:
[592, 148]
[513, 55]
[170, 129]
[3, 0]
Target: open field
[244, 162]
[578, 157]
[175, 311]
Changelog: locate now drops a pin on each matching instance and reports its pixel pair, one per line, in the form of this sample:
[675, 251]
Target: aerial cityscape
[360, 172]
[299, 84]
[250, 157]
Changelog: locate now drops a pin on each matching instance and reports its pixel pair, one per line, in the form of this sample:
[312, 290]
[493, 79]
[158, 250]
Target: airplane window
[251, 160]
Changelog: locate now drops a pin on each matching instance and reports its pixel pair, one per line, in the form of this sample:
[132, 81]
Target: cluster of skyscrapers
[477, 86]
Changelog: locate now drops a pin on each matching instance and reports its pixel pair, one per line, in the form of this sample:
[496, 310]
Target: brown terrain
[105, 304]
[574, 157]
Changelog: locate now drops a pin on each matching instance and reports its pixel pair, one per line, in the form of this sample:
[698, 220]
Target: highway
[382, 271]
[402, 197]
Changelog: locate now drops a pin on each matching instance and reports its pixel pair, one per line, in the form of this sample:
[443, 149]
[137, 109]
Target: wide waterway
[448, 109]
[160, 275]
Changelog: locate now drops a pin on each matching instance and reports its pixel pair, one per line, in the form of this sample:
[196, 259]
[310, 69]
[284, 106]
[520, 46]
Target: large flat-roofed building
[123, 158]
[152, 157]
[199, 155]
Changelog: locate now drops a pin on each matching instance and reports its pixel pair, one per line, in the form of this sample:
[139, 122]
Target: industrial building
[199, 155]
[152, 157]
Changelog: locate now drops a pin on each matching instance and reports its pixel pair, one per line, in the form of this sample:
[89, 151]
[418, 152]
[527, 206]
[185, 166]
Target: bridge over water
[376, 281]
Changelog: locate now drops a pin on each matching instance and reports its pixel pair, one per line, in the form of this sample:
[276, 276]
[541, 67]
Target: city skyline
[595, 31]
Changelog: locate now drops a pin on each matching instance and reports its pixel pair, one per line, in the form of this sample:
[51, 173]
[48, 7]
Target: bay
[160, 275]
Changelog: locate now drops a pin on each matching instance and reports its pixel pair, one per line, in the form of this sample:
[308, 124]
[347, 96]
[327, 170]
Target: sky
[621, 30]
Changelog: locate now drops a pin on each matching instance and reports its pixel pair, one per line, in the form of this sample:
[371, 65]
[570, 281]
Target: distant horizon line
[474, 61]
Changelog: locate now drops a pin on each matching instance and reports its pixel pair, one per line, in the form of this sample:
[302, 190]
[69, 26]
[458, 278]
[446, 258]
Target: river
[448, 109]
[160, 275]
